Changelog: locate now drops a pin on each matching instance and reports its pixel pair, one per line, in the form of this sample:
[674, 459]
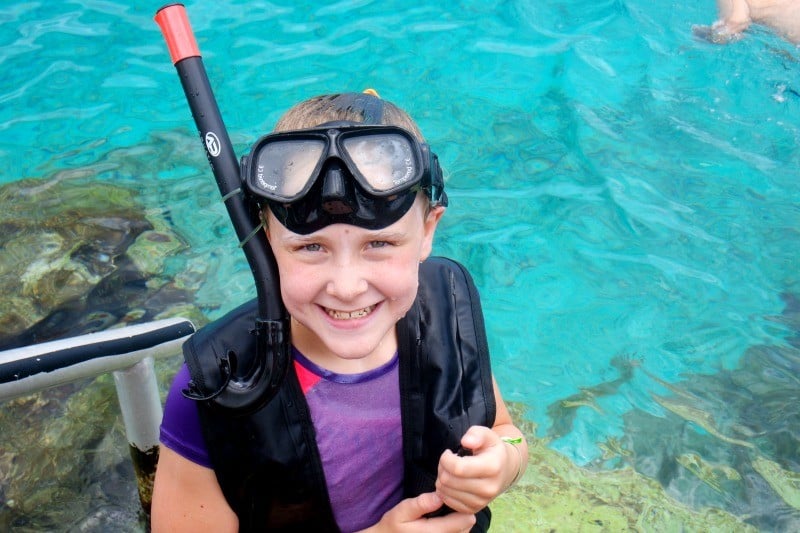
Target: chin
[352, 353]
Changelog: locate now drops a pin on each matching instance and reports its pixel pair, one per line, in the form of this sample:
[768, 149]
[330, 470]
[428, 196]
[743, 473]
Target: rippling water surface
[624, 194]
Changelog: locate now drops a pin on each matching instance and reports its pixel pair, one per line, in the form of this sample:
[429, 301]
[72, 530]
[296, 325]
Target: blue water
[618, 188]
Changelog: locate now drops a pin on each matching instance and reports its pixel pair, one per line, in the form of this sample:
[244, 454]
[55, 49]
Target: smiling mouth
[349, 315]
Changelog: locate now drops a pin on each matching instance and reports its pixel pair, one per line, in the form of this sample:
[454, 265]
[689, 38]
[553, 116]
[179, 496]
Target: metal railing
[129, 353]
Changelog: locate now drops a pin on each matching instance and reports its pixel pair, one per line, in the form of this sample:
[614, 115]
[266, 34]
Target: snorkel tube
[250, 380]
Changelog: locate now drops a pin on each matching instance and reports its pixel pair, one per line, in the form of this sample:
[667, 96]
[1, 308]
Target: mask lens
[284, 168]
[387, 162]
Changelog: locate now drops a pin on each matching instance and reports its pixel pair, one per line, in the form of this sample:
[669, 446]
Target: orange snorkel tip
[174, 24]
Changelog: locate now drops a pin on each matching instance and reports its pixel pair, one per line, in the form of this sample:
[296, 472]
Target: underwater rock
[77, 257]
[728, 440]
[557, 495]
[785, 482]
[52, 443]
[711, 474]
[563, 412]
[700, 417]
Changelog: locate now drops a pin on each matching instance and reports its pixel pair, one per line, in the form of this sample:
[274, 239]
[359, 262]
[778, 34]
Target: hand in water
[717, 33]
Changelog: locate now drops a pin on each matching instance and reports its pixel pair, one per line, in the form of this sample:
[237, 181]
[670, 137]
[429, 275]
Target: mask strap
[255, 231]
[252, 234]
[373, 107]
[231, 194]
[369, 103]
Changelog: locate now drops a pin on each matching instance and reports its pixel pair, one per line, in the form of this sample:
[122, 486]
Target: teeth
[347, 315]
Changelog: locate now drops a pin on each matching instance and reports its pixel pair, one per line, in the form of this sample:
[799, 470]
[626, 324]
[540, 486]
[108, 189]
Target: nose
[347, 282]
[336, 195]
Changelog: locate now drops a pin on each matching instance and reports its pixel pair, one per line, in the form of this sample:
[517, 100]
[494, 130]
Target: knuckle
[459, 469]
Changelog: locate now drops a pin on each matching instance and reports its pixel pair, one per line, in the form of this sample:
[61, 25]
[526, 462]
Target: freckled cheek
[402, 296]
[298, 287]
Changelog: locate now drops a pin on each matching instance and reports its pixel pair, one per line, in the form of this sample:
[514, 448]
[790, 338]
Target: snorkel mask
[366, 175]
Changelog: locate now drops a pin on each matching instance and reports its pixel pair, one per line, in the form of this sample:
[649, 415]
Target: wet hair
[355, 107]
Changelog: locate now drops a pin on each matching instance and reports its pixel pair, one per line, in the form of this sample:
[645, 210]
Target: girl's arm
[733, 17]
[187, 498]
[505, 428]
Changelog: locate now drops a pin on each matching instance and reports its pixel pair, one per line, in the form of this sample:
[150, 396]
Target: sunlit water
[622, 192]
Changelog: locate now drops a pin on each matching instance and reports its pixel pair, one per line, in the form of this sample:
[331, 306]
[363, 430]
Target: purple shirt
[358, 428]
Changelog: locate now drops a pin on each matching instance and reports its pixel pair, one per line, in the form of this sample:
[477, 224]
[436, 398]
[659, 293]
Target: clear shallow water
[620, 190]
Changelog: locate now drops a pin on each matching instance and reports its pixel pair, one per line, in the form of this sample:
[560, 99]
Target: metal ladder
[129, 353]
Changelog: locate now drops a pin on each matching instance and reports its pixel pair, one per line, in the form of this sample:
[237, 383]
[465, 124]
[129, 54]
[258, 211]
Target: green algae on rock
[557, 495]
[785, 482]
[77, 257]
[53, 440]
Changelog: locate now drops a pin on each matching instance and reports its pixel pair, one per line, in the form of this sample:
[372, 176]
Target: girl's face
[346, 287]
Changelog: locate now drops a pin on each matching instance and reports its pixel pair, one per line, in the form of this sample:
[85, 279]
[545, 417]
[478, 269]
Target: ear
[429, 229]
[264, 215]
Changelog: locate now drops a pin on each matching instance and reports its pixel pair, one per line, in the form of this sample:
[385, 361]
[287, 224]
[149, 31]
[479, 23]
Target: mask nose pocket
[337, 196]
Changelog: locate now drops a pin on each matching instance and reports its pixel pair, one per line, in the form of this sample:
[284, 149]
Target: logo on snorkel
[212, 144]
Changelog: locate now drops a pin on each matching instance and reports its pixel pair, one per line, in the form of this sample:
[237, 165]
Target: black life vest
[267, 463]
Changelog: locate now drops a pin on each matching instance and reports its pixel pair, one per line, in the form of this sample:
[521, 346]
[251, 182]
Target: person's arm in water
[733, 18]
[467, 484]
[187, 498]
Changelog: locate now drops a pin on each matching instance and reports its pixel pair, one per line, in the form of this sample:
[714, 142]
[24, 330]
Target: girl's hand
[408, 516]
[467, 484]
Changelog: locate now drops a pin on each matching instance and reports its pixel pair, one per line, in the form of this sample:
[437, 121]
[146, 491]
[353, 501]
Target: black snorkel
[250, 380]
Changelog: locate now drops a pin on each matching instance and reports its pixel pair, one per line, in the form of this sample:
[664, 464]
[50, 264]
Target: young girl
[390, 372]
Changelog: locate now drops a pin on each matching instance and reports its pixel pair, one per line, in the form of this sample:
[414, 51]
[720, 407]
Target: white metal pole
[140, 403]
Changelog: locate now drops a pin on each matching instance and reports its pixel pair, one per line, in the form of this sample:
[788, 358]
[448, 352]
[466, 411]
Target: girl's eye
[313, 247]
[379, 244]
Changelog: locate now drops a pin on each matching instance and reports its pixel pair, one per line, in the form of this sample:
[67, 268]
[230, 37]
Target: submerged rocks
[79, 257]
[64, 461]
[557, 495]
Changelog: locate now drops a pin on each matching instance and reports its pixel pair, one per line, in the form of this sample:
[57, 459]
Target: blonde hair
[346, 106]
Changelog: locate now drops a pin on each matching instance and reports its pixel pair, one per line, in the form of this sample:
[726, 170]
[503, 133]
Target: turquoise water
[621, 191]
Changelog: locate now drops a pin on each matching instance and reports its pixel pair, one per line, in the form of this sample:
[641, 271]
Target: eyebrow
[298, 239]
[387, 235]
[377, 235]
